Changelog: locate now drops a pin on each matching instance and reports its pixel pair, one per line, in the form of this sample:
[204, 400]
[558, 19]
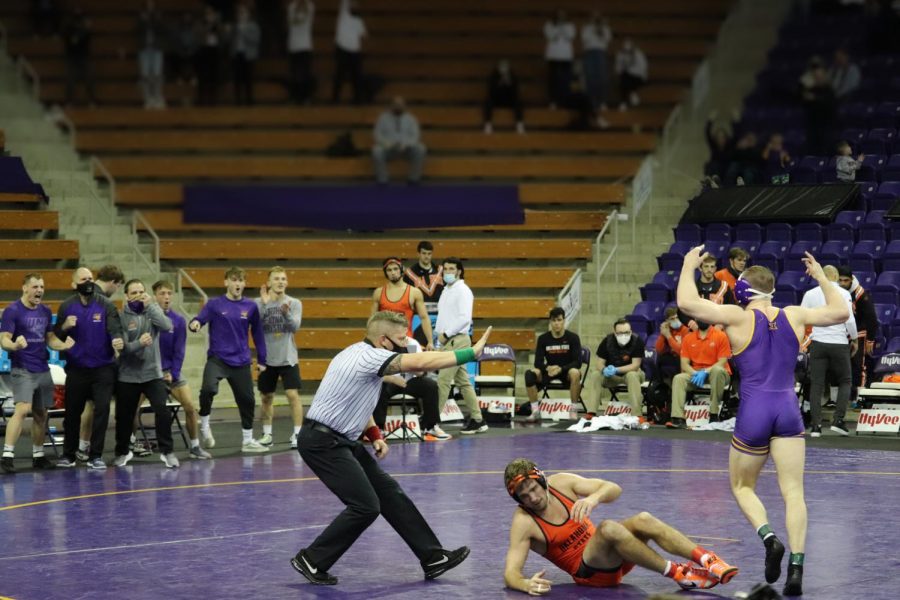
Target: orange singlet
[401, 306]
[566, 544]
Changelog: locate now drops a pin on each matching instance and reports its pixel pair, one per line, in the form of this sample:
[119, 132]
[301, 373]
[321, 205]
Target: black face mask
[86, 288]
[395, 348]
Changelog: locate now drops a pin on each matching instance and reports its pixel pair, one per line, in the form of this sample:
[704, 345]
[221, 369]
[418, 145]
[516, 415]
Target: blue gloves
[609, 371]
[699, 378]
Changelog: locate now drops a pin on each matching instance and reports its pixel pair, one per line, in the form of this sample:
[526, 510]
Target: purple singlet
[769, 406]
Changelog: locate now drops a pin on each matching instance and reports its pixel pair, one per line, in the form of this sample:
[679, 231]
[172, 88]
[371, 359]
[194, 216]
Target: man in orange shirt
[737, 262]
[668, 345]
[704, 357]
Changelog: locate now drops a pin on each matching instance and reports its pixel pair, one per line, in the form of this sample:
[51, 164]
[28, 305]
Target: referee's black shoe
[302, 565]
[444, 561]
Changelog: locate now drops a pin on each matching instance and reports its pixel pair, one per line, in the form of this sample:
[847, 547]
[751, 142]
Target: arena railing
[27, 73]
[612, 222]
[570, 299]
[98, 168]
[182, 277]
[152, 263]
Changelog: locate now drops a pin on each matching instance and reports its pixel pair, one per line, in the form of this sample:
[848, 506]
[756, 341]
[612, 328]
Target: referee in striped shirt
[341, 412]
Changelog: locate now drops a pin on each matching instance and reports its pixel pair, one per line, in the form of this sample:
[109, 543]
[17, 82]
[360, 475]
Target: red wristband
[373, 433]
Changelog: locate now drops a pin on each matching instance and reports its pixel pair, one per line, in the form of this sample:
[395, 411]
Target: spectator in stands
[503, 90]
[184, 53]
[77, 43]
[710, 286]
[45, 17]
[577, 99]
[151, 39]
[737, 262]
[211, 37]
[631, 67]
[776, 160]
[845, 76]
[619, 358]
[300, 16]
[559, 51]
[704, 359]
[866, 328]
[428, 278]
[721, 146]
[25, 333]
[668, 345]
[351, 30]
[745, 161]
[397, 135]
[245, 39]
[818, 99]
[556, 356]
[453, 324]
[830, 350]
[596, 36]
[846, 165]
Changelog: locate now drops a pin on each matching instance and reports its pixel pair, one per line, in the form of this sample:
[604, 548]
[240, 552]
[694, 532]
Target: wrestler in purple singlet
[769, 406]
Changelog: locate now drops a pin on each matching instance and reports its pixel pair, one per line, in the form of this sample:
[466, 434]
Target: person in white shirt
[845, 75]
[397, 136]
[348, 50]
[830, 350]
[631, 67]
[595, 39]
[300, 15]
[452, 328]
[559, 52]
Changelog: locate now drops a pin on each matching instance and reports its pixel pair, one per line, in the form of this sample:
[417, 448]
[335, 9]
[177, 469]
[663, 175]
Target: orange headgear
[534, 473]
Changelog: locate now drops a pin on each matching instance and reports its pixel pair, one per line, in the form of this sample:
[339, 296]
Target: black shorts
[268, 379]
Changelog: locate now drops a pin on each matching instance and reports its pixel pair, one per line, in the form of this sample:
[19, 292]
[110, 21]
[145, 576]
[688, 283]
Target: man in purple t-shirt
[228, 357]
[25, 332]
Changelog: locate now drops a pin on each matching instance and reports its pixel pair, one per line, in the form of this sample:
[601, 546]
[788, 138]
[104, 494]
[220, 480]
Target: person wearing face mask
[668, 345]
[340, 413]
[619, 358]
[140, 373]
[704, 359]
[397, 136]
[93, 322]
[452, 328]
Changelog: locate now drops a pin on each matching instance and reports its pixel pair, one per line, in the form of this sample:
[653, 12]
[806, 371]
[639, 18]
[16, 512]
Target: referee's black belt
[316, 426]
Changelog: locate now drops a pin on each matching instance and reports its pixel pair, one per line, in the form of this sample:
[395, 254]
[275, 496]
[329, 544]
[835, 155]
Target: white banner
[696, 414]
[617, 408]
[878, 419]
[392, 423]
[451, 411]
[555, 410]
[642, 186]
[571, 301]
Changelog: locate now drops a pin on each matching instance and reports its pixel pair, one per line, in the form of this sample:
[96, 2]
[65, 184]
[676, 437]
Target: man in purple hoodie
[228, 357]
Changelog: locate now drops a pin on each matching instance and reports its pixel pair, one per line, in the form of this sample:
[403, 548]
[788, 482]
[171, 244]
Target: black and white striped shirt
[350, 389]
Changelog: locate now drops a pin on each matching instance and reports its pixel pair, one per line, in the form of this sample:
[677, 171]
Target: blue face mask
[449, 278]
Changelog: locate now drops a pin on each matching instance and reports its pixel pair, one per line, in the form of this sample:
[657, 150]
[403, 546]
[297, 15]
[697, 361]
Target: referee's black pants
[349, 470]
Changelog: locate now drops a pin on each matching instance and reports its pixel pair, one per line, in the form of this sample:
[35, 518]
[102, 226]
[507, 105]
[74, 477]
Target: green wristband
[465, 355]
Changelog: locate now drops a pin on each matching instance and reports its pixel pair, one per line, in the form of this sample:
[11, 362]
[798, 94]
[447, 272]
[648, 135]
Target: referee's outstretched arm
[435, 361]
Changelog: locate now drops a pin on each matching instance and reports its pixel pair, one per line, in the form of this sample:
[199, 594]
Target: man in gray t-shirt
[281, 316]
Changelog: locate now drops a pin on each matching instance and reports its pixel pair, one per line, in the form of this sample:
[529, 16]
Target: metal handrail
[137, 217]
[601, 269]
[97, 165]
[565, 290]
[182, 277]
[26, 71]
[63, 119]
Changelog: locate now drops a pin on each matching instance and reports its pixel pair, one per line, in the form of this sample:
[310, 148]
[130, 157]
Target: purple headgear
[745, 294]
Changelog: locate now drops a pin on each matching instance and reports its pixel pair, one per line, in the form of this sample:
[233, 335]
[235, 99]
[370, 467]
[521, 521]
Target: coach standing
[341, 411]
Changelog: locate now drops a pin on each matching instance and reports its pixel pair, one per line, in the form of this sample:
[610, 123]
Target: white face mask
[675, 324]
[623, 338]
[449, 278]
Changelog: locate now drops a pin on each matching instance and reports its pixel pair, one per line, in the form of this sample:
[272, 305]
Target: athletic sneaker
[207, 438]
[720, 569]
[840, 427]
[436, 434]
[96, 464]
[793, 585]
[41, 462]
[123, 459]
[266, 439]
[676, 423]
[314, 575]
[774, 554]
[473, 427]
[293, 441]
[170, 460]
[253, 446]
[6, 463]
[65, 463]
[82, 455]
[199, 453]
[447, 560]
[141, 450]
[815, 432]
[693, 578]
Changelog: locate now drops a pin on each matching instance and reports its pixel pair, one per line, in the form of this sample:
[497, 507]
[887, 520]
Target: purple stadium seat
[889, 189]
[720, 232]
[749, 231]
[892, 346]
[798, 249]
[873, 231]
[854, 114]
[886, 114]
[891, 171]
[655, 292]
[880, 204]
[808, 169]
[796, 281]
[839, 232]
[751, 246]
[853, 218]
[887, 288]
[670, 262]
[889, 279]
[645, 317]
[784, 298]
[651, 342]
[829, 173]
[794, 140]
[689, 232]
[669, 279]
[779, 232]
[875, 216]
[770, 262]
[773, 249]
[808, 232]
[865, 254]
[894, 230]
[885, 313]
[835, 250]
[865, 278]
[854, 136]
[892, 250]
[681, 248]
[879, 141]
[871, 168]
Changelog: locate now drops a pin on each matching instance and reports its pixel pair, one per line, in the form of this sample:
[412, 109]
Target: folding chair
[148, 432]
[504, 359]
[403, 431]
[560, 385]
